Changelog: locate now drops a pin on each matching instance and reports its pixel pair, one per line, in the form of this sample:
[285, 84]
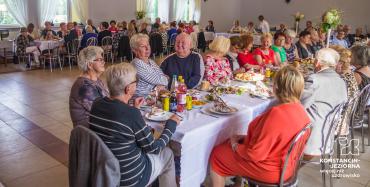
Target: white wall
[355, 13]
[106, 10]
[222, 12]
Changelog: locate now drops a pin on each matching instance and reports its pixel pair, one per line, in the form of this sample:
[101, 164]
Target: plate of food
[198, 104]
[157, 114]
[221, 108]
[249, 77]
[227, 90]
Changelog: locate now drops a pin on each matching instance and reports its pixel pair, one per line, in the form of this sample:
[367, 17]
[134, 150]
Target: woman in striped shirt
[149, 73]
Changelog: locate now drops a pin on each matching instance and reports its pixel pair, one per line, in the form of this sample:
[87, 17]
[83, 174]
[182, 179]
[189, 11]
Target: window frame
[16, 25]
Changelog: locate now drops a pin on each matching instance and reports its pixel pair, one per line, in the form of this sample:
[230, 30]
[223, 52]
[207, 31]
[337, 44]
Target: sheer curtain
[180, 8]
[82, 9]
[195, 8]
[18, 9]
[164, 10]
[47, 10]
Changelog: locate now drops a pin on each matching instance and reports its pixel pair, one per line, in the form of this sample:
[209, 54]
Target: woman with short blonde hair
[217, 67]
[258, 154]
[88, 85]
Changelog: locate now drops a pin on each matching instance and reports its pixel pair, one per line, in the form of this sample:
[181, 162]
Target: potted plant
[140, 15]
[330, 20]
[297, 18]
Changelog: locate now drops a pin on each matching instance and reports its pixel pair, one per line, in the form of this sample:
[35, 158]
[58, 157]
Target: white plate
[160, 118]
[212, 110]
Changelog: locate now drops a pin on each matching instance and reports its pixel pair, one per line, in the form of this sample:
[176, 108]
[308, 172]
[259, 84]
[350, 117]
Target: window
[5, 17]
[61, 12]
[187, 10]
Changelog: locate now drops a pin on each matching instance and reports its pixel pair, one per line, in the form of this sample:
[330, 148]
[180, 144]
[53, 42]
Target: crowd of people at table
[111, 109]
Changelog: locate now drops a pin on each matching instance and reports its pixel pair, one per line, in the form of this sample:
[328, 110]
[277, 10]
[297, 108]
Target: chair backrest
[331, 123]
[173, 39]
[155, 41]
[89, 157]
[72, 48]
[91, 41]
[107, 41]
[359, 107]
[295, 152]
[4, 34]
[52, 50]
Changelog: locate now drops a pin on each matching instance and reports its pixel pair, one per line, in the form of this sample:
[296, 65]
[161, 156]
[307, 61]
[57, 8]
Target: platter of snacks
[198, 103]
[220, 107]
[249, 77]
[157, 114]
[260, 90]
[227, 90]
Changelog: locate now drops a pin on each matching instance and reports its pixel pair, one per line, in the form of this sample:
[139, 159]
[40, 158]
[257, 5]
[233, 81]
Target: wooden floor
[35, 126]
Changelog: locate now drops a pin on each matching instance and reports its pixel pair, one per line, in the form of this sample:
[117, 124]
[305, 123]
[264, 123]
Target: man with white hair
[184, 62]
[324, 90]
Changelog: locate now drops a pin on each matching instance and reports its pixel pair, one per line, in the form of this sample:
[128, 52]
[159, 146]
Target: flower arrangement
[140, 14]
[331, 19]
[298, 16]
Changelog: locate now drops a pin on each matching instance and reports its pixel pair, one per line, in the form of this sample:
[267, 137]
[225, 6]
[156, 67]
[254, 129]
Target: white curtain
[150, 9]
[19, 10]
[47, 10]
[164, 10]
[180, 9]
[195, 7]
[82, 9]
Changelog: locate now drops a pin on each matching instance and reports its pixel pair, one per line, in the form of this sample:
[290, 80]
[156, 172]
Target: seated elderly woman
[361, 60]
[149, 73]
[89, 34]
[303, 45]
[122, 128]
[258, 154]
[24, 46]
[236, 27]
[324, 90]
[245, 56]
[217, 67]
[88, 85]
[289, 46]
[280, 54]
[265, 55]
[184, 62]
[232, 55]
[344, 69]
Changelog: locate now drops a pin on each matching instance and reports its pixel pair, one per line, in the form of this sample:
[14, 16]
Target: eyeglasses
[101, 60]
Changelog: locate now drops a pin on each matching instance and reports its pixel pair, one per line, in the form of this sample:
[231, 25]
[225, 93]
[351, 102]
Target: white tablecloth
[199, 133]
[209, 36]
[8, 44]
[48, 44]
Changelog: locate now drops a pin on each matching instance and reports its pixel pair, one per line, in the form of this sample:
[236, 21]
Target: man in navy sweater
[184, 62]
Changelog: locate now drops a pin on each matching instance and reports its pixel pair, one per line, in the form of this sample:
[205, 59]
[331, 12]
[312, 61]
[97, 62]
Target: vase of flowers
[140, 15]
[297, 18]
[330, 20]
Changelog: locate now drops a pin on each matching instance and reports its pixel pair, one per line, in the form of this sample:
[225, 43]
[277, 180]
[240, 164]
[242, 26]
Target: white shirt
[264, 26]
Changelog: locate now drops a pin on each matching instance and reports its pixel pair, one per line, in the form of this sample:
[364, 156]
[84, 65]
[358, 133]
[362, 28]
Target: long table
[199, 133]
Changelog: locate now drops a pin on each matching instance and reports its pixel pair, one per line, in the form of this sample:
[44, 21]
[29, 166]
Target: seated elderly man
[150, 75]
[88, 86]
[339, 39]
[184, 62]
[46, 29]
[324, 90]
[122, 128]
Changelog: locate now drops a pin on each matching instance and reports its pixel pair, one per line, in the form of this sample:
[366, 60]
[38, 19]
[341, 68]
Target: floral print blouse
[216, 70]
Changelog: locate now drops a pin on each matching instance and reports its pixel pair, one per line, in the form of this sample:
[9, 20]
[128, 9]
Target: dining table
[48, 44]
[6, 45]
[200, 131]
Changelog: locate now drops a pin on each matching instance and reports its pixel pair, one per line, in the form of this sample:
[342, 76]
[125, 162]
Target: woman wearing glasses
[88, 85]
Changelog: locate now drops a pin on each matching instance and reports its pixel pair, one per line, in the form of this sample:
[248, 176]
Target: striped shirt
[150, 75]
[123, 130]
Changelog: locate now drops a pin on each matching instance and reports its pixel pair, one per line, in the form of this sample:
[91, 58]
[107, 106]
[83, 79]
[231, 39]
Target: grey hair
[119, 77]
[327, 57]
[89, 29]
[290, 33]
[87, 56]
[134, 41]
[360, 55]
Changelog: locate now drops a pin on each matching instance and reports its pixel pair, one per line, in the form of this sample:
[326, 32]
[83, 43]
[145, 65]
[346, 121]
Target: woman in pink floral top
[217, 67]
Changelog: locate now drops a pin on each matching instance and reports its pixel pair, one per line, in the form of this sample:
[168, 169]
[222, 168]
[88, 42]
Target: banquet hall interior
[190, 93]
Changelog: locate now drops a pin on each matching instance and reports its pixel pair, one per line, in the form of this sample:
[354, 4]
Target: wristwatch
[234, 146]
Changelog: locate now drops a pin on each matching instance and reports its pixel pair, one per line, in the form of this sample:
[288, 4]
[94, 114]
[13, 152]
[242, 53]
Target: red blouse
[263, 150]
[246, 58]
[266, 58]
